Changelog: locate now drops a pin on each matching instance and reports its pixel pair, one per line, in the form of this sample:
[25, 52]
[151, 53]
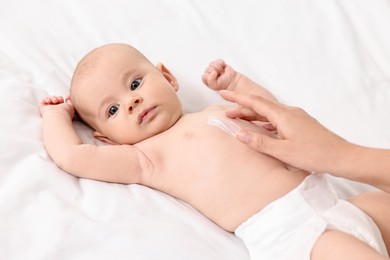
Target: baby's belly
[229, 191]
[245, 181]
[221, 177]
[236, 200]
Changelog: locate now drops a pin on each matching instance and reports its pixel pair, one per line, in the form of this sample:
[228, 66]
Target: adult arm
[304, 143]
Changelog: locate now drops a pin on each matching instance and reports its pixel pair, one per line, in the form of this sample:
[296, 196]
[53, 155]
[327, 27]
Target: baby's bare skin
[212, 171]
[132, 105]
[181, 155]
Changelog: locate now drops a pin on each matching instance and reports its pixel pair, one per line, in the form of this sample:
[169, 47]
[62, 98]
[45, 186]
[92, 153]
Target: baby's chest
[202, 141]
[199, 153]
[200, 148]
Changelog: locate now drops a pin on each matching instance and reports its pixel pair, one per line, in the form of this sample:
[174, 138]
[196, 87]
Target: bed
[331, 58]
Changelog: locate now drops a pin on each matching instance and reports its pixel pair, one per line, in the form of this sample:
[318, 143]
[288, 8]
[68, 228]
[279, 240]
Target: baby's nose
[134, 102]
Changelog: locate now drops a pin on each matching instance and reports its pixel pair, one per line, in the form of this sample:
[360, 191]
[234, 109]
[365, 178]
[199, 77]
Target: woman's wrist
[343, 159]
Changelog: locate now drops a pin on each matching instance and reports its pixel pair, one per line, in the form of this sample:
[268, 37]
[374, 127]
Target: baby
[133, 106]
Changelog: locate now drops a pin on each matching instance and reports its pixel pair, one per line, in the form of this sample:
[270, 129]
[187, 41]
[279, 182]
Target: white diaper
[288, 227]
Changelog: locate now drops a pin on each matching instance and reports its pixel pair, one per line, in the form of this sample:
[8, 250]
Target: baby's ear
[169, 76]
[103, 138]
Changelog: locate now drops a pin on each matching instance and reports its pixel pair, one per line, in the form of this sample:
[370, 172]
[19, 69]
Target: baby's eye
[112, 110]
[135, 84]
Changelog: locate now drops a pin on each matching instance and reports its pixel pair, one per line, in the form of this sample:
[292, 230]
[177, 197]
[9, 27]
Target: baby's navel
[188, 135]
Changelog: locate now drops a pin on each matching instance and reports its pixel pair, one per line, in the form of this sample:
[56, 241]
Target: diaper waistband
[317, 192]
[314, 192]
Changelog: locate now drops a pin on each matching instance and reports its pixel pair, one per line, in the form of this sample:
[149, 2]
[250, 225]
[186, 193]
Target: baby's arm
[220, 76]
[119, 163]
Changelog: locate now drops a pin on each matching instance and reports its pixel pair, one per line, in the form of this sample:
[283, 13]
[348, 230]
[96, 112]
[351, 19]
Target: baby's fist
[219, 76]
[56, 103]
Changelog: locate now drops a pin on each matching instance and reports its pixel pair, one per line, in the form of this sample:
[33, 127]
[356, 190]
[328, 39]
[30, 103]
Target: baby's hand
[219, 76]
[56, 103]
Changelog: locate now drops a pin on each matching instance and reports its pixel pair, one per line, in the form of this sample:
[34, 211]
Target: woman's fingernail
[243, 136]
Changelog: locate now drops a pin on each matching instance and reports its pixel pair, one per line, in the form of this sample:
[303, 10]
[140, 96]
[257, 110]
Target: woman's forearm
[364, 164]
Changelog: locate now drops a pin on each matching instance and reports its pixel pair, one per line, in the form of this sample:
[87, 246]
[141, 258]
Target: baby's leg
[339, 245]
[377, 206]
[334, 245]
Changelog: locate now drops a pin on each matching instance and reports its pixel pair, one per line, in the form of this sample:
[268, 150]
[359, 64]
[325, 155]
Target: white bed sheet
[330, 57]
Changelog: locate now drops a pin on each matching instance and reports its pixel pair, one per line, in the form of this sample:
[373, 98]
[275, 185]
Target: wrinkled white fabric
[331, 58]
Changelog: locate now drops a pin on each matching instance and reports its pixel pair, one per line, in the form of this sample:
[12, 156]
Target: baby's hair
[85, 65]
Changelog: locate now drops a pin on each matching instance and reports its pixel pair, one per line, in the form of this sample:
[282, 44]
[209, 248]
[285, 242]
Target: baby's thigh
[377, 206]
[334, 245]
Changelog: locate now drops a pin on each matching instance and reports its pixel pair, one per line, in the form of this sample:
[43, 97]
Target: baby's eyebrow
[125, 76]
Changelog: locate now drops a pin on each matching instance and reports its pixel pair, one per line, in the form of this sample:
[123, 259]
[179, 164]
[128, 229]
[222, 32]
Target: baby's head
[119, 93]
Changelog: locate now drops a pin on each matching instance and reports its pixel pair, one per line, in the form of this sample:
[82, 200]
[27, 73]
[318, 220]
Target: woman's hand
[303, 142]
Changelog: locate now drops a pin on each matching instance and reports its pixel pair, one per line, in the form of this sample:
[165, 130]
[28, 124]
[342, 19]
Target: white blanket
[330, 57]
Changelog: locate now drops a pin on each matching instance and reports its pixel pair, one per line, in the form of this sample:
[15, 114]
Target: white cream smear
[225, 124]
[233, 126]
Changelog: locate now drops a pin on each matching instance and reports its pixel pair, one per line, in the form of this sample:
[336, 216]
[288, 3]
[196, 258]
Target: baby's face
[126, 98]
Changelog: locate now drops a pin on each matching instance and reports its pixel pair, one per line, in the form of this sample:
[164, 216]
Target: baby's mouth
[145, 115]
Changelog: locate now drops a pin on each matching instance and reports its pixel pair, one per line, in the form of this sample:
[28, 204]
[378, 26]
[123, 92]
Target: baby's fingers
[218, 65]
[53, 100]
[211, 80]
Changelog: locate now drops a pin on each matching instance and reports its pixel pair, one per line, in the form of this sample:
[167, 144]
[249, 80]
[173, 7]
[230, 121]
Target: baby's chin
[151, 133]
